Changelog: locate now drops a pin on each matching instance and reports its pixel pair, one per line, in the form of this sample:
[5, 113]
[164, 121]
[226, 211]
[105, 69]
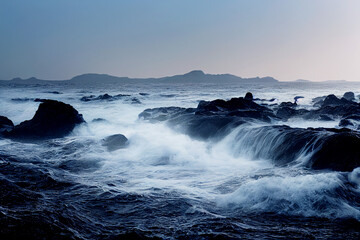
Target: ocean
[166, 184]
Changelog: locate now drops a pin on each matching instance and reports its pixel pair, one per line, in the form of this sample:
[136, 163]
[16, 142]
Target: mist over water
[166, 184]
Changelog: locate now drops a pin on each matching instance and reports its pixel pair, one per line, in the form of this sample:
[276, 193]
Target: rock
[350, 96]
[285, 112]
[22, 99]
[332, 100]
[105, 96]
[288, 104]
[324, 117]
[99, 120]
[249, 96]
[53, 119]
[135, 100]
[115, 142]
[211, 119]
[5, 124]
[346, 123]
[318, 101]
[339, 152]
[334, 149]
[351, 121]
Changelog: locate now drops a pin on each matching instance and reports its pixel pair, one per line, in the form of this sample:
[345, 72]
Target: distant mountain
[302, 80]
[196, 76]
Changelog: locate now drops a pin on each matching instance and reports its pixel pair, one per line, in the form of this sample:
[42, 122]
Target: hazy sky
[285, 39]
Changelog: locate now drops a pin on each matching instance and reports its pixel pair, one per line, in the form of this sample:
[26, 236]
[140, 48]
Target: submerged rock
[53, 119]
[115, 142]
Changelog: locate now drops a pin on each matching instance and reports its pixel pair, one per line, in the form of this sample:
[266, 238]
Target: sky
[286, 39]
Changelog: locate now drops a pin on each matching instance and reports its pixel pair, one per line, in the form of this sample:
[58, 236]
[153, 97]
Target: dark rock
[334, 149]
[339, 152]
[318, 101]
[350, 96]
[54, 92]
[115, 142]
[22, 99]
[332, 100]
[135, 101]
[249, 96]
[144, 94]
[105, 96]
[285, 112]
[351, 121]
[288, 104]
[53, 119]
[99, 120]
[211, 119]
[265, 100]
[5, 124]
[324, 117]
[345, 123]
[4, 121]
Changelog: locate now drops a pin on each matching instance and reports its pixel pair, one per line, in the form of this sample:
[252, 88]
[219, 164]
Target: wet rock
[249, 96]
[54, 92]
[135, 101]
[318, 101]
[115, 142]
[105, 96]
[334, 149]
[22, 99]
[339, 152]
[350, 96]
[346, 123]
[5, 124]
[324, 117]
[99, 120]
[211, 119]
[332, 100]
[351, 121]
[288, 104]
[53, 119]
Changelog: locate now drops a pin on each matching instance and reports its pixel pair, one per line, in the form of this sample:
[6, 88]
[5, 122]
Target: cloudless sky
[285, 39]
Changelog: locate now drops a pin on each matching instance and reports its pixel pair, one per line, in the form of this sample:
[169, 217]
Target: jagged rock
[5, 124]
[53, 119]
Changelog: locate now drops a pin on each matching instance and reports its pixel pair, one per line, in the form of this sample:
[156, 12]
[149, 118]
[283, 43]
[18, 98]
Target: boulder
[249, 96]
[53, 119]
[115, 142]
[350, 96]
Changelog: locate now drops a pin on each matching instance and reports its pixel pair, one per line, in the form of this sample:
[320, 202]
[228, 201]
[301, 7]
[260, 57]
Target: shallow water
[166, 184]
